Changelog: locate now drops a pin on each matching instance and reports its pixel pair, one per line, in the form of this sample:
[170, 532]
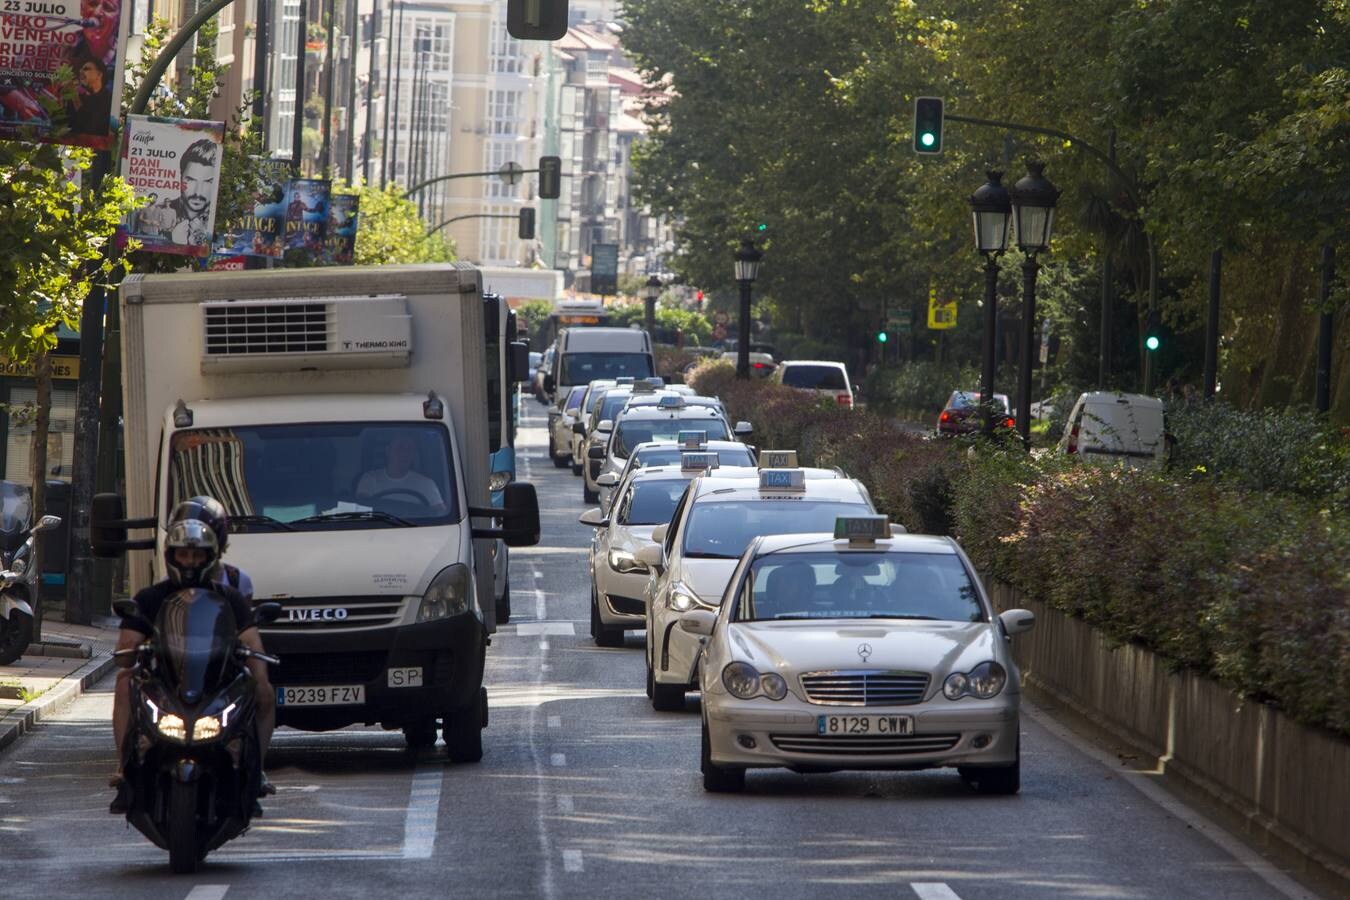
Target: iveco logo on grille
[316, 614]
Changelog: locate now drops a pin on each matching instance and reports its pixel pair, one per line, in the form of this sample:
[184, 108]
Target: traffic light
[928, 125]
[536, 20]
[882, 337]
[1153, 333]
[550, 177]
[762, 227]
[698, 298]
[527, 223]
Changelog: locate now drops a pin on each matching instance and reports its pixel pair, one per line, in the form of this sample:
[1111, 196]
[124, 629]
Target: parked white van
[1114, 428]
[583, 355]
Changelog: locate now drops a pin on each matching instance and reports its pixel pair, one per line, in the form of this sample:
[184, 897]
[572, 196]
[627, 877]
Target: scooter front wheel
[184, 854]
[16, 632]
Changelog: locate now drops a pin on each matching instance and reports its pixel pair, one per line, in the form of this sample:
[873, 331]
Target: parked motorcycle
[19, 569]
[192, 759]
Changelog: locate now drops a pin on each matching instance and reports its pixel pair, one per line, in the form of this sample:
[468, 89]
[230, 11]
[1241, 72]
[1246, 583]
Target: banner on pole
[307, 215]
[60, 69]
[340, 244]
[173, 165]
[941, 315]
[259, 231]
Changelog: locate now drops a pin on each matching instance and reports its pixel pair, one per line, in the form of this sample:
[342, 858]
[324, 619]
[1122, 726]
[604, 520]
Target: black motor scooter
[191, 759]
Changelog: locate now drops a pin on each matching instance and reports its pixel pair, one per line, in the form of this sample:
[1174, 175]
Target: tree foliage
[390, 230]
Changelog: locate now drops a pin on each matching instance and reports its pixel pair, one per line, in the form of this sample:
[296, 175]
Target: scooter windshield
[197, 633]
[16, 508]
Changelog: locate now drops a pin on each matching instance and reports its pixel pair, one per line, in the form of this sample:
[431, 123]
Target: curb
[22, 720]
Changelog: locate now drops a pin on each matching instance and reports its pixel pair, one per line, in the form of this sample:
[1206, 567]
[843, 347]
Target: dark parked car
[961, 415]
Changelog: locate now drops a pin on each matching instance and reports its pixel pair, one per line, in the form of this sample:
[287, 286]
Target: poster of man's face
[199, 177]
[174, 166]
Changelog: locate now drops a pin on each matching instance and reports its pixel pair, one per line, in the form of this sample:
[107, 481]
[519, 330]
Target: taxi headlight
[172, 727]
[680, 601]
[956, 686]
[773, 686]
[741, 680]
[987, 679]
[207, 728]
[447, 595]
[625, 563]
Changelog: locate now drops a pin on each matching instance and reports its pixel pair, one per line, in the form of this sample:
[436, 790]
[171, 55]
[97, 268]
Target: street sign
[941, 315]
[604, 268]
[898, 324]
[511, 173]
[63, 367]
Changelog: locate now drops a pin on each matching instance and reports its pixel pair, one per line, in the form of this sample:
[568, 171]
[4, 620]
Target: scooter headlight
[172, 727]
[206, 728]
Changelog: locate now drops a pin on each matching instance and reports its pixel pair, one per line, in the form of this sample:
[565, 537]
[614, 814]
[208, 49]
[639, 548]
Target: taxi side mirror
[659, 534]
[609, 479]
[594, 518]
[653, 556]
[699, 621]
[596, 452]
[605, 425]
[744, 429]
[573, 411]
[1016, 621]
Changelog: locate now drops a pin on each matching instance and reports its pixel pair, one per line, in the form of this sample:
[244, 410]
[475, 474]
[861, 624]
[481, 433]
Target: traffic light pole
[439, 178]
[454, 219]
[1030, 268]
[990, 347]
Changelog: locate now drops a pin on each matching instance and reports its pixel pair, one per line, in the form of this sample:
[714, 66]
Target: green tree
[390, 231]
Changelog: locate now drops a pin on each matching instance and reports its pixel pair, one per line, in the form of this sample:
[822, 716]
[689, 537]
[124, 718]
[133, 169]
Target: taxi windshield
[723, 529]
[651, 502]
[669, 456]
[631, 433]
[859, 585]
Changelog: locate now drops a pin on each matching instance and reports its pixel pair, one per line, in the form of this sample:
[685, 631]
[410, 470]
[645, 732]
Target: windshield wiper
[261, 520]
[699, 554]
[896, 616]
[354, 516]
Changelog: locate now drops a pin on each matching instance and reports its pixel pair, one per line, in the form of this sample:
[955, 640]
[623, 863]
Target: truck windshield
[319, 476]
[583, 368]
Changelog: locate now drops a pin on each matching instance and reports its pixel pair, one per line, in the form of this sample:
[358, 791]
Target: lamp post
[650, 292]
[747, 267]
[991, 213]
[1033, 204]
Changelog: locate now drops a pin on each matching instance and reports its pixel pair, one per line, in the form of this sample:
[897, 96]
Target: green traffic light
[763, 226]
[1152, 342]
[928, 138]
[881, 336]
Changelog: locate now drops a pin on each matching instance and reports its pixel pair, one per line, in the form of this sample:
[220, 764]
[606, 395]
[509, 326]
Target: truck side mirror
[520, 520]
[518, 361]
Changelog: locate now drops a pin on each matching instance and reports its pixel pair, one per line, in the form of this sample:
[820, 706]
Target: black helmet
[198, 524]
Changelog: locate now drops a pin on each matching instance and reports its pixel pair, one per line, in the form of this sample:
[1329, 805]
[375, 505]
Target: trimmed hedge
[1249, 587]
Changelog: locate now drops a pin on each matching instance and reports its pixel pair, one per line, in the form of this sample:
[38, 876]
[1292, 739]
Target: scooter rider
[197, 533]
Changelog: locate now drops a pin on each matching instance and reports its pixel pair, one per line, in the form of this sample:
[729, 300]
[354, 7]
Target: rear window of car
[815, 377]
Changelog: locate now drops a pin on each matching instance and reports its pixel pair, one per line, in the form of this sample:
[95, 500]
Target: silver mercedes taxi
[858, 650]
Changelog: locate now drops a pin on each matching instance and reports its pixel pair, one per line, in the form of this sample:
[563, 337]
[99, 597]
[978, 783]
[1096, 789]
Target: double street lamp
[747, 268]
[1030, 205]
[651, 291]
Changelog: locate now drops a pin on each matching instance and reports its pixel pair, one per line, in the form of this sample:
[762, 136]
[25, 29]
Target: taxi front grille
[335, 613]
[865, 745]
[865, 688]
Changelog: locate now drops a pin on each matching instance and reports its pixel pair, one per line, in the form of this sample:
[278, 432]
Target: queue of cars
[820, 636]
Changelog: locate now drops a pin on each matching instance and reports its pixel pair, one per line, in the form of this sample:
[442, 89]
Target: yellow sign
[941, 316]
[67, 367]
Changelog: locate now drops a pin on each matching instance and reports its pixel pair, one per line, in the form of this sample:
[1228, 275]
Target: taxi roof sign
[778, 459]
[625, 379]
[862, 529]
[655, 381]
[693, 440]
[644, 387]
[699, 461]
[782, 480]
[670, 401]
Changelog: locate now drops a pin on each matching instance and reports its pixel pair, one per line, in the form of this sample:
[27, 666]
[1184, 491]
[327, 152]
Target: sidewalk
[51, 674]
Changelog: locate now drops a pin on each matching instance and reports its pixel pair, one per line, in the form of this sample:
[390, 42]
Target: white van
[583, 355]
[1114, 428]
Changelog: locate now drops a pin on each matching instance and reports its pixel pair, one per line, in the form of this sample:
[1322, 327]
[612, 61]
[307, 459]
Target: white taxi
[694, 556]
[667, 453]
[645, 500]
[858, 650]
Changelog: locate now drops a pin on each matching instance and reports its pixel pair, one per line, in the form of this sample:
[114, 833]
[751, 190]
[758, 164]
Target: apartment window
[495, 155]
[597, 66]
[505, 52]
[437, 40]
[496, 235]
[504, 112]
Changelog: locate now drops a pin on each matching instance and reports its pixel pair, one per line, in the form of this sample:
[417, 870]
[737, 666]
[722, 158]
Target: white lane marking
[424, 803]
[1142, 782]
[208, 892]
[933, 890]
[302, 788]
[555, 721]
[543, 628]
[572, 861]
[543, 645]
[565, 804]
[538, 595]
[557, 759]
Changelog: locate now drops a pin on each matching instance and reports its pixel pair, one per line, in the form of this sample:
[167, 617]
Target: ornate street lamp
[651, 292]
[747, 268]
[1033, 204]
[991, 213]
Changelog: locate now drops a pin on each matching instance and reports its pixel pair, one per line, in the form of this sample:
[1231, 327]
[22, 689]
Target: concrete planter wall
[1285, 782]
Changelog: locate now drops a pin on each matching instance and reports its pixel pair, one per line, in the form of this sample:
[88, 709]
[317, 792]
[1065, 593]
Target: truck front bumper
[449, 652]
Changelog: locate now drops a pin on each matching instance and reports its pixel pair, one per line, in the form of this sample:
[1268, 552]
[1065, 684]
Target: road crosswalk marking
[424, 803]
[572, 861]
[524, 629]
[933, 890]
[208, 892]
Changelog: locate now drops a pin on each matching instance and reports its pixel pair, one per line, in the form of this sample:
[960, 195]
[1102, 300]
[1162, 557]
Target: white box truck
[341, 417]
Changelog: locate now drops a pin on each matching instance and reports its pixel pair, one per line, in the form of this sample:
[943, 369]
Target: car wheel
[998, 780]
[560, 462]
[719, 779]
[651, 682]
[462, 730]
[504, 603]
[577, 468]
[603, 635]
[667, 697]
[588, 495]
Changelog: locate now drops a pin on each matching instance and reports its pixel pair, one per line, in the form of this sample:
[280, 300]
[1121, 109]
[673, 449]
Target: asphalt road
[584, 791]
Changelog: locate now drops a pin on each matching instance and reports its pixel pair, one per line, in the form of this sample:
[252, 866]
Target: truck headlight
[498, 481]
[447, 595]
[625, 563]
